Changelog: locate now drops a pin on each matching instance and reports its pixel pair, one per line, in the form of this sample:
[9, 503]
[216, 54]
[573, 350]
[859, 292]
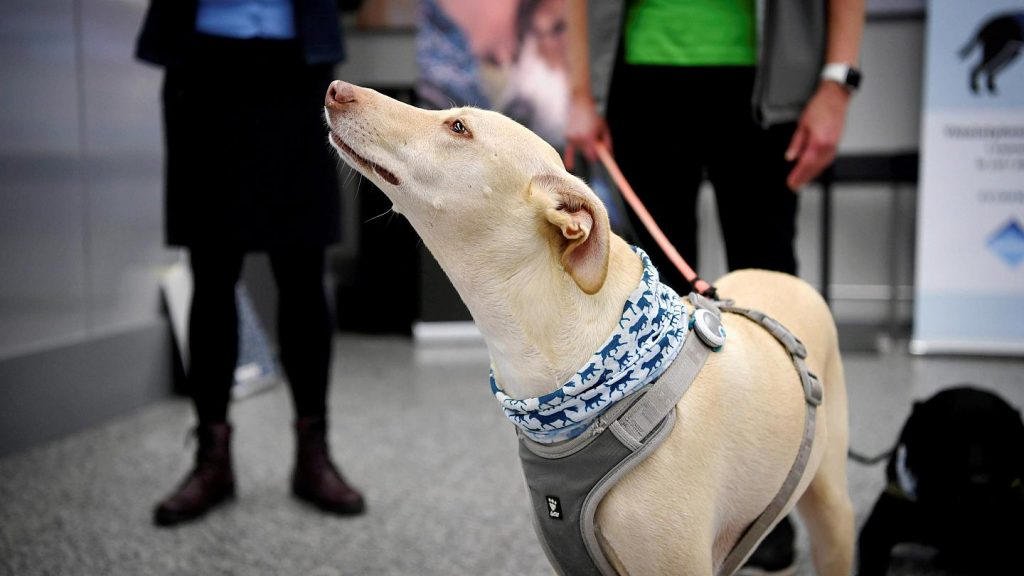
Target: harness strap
[813, 394]
[644, 415]
[575, 475]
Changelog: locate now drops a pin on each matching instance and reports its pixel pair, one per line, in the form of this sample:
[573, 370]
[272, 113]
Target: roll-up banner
[969, 289]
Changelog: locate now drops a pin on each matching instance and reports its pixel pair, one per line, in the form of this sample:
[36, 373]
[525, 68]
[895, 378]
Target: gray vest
[791, 51]
[568, 480]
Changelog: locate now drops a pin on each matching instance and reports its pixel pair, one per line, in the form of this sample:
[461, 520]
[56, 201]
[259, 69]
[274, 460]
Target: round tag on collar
[709, 328]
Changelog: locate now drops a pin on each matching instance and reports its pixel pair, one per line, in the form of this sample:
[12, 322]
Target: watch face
[853, 78]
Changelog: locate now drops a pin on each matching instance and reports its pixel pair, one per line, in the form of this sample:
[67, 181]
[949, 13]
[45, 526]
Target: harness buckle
[798, 347]
[783, 335]
[814, 392]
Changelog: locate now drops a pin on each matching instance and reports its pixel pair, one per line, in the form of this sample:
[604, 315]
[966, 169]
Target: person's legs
[756, 208]
[304, 337]
[657, 148]
[304, 327]
[213, 353]
[748, 170]
[213, 330]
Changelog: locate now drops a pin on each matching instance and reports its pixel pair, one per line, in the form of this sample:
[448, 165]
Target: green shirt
[691, 32]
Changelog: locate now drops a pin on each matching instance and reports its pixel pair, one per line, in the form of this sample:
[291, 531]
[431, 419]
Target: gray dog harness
[568, 480]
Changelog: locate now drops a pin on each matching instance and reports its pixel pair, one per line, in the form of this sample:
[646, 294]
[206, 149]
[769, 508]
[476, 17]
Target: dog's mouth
[381, 171]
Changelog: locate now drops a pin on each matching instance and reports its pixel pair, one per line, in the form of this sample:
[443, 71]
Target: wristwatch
[841, 72]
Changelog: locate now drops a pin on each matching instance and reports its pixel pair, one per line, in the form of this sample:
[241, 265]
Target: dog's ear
[583, 221]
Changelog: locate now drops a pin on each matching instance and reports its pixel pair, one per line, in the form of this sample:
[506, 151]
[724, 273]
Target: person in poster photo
[465, 50]
[537, 92]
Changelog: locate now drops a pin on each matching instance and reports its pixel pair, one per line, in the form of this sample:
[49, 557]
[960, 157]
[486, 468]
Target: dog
[954, 484]
[530, 251]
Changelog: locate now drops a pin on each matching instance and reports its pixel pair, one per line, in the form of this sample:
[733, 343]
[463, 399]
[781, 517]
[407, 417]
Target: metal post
[827, 178]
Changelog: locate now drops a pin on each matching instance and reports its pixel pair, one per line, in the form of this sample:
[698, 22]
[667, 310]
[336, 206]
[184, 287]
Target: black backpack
[954, 484]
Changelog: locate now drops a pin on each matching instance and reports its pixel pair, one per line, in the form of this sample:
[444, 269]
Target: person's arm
[584, 127]
[820, 127]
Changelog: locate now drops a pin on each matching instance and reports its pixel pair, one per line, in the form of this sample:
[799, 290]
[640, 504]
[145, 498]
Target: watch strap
[842, 73]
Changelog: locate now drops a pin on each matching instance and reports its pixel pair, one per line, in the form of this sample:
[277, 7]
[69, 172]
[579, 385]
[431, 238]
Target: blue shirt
[246, 18]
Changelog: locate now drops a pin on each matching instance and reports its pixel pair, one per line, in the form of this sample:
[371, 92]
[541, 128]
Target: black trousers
[303, 327]
[674, 126]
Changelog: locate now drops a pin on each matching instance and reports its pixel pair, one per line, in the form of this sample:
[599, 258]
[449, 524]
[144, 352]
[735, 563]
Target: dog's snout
[340, 93]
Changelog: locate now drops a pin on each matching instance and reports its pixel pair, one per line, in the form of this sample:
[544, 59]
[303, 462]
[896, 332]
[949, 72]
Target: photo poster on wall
[969, 287]
[510, 56]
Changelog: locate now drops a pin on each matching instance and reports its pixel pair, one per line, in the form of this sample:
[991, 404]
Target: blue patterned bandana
[649, 336]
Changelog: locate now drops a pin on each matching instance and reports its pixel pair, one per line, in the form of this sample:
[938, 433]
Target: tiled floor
[414, 427]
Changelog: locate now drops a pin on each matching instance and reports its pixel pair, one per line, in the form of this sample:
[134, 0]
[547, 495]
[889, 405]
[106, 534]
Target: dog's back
[791, 301]
[738, 431]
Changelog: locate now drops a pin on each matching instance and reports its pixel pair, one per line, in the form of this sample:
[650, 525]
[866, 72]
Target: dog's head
[472, 182]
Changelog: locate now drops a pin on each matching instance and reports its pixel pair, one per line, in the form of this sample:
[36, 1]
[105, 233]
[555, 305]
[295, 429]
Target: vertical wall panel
[81, 222]
[81, 333]
[122, 169]
[885, 114]
[42, 225]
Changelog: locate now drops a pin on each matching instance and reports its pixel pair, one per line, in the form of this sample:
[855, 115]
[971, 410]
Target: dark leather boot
[210, 482]
[315, 478]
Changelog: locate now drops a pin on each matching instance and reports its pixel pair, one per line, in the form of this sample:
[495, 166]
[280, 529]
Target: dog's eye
[458, 127]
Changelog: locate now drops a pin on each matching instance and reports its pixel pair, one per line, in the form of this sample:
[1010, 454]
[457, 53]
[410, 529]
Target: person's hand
[584, 129]
[813, 146]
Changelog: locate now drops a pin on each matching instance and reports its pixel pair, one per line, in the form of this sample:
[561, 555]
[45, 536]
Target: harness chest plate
[566, 481]
[565, 488]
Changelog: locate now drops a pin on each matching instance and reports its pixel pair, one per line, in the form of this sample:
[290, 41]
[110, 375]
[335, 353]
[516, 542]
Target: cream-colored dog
[529, 249]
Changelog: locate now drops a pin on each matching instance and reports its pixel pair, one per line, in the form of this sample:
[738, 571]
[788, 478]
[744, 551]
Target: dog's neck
[539, 326]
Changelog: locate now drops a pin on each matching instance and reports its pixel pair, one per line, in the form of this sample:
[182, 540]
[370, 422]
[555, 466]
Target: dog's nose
[340, 93]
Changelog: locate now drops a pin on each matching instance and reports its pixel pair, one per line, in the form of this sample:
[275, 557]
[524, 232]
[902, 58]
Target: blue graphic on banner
[1008, 243]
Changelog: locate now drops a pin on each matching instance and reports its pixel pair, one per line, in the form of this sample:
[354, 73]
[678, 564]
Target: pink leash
[699, 284]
